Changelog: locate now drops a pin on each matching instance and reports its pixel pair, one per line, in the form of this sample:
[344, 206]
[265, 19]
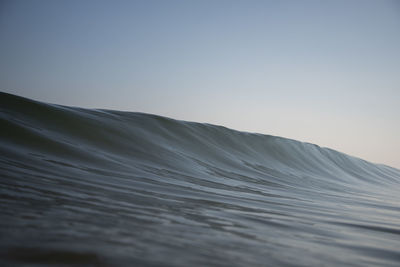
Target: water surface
[108, 188]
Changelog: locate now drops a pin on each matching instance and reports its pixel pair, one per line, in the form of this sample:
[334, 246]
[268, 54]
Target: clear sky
[325, 72]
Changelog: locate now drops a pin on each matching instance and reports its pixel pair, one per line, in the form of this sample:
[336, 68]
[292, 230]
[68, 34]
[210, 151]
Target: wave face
[100, 187]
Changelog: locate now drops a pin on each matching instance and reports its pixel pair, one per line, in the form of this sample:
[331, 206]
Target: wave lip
[133, 187]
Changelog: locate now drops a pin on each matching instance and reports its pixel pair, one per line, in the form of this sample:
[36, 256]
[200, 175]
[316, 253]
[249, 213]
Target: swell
[123, 139]
[92, 186]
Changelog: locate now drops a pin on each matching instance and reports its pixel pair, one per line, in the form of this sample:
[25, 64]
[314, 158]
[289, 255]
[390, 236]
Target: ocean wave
[103, 187]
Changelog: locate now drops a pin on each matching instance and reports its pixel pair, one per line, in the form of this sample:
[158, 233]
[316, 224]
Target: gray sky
[325, 72]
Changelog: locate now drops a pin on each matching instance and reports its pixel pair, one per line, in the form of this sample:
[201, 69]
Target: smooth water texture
[109, 188]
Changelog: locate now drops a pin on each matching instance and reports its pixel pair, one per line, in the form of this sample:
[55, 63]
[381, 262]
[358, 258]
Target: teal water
[109, 188]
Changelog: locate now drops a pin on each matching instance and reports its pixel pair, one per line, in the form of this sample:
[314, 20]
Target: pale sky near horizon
[324, 72]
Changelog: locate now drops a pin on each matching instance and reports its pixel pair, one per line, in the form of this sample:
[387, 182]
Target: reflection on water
[94, 187]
